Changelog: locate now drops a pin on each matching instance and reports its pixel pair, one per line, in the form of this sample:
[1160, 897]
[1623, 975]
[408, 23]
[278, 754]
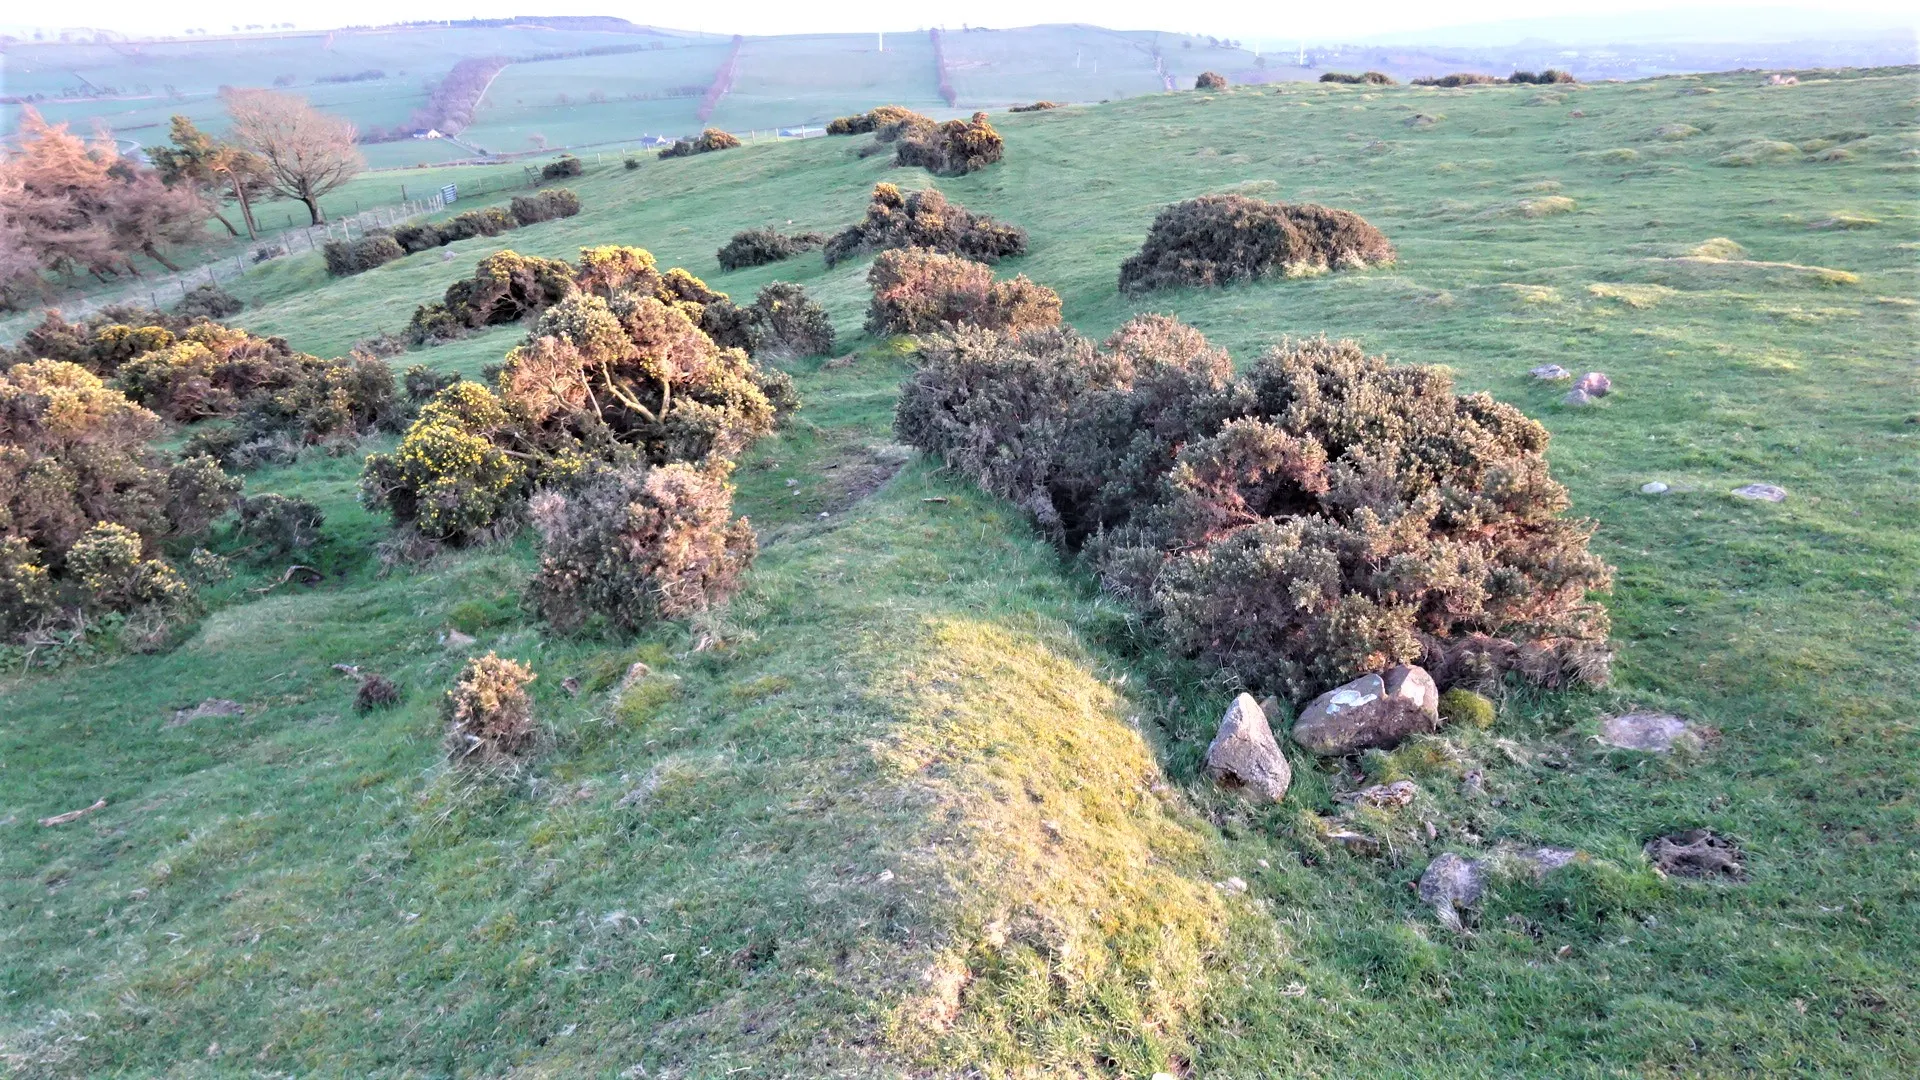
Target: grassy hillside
[921, 801]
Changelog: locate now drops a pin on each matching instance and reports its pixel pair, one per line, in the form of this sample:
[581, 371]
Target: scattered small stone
[1398, 793]
[1762, 492]
[635, 672]
[1371, 711]
[1595, 383]
[571, 685]
[454, 639]
[1653, 732]
[1696, 853]
[1577, 398]
[1550, 372]
[1234, 885]
[1358, 843]
[1244, 755]
[1451, 883]
[1653, 487]
[208, 708]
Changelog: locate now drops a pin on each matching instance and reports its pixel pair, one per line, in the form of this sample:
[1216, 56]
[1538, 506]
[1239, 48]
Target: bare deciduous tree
[307, 152]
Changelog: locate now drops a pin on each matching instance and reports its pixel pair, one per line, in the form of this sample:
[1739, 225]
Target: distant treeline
[449, 107]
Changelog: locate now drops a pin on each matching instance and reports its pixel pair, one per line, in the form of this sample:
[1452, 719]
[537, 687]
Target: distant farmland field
[654, 86]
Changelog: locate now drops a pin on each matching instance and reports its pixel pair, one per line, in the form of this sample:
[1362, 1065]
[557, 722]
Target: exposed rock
[1358, 843]
[208, 708]
[1550, 372]
[1451, 883]
[1545, 860]
[1233, 885]
[1653, 487]
[1595, 383]
[1577, 398]
[1370, 712]
[1762, 492]
[1696, 853]
[454, 639]
[1244, 755]
[1654, 732]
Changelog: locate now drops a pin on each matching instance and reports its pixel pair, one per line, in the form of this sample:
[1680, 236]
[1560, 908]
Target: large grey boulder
[1244, 755]
[1371, 711]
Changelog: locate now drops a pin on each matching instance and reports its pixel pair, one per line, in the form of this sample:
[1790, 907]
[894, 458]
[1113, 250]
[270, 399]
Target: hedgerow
[1038, 106]
[925, 219]
[916, 291]
[347, 257]
[1217, 239]
[1321, 515]
[1369, 78]
[639, 543]
[1464, 78]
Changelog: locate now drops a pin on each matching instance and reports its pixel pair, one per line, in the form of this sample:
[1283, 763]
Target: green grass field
[922, 802]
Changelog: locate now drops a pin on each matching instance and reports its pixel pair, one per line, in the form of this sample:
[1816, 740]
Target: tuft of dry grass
[1639, 297]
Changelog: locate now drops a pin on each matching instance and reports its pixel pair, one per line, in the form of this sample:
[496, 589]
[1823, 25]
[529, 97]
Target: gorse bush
[544, 206]
[489, 715]
[1322, 515]
[422, 383]
[954, 148]
[1217, 239]
[277, 525]
[621, 367]
[1038, 106]
[710, 140]
[925, 219]
[639, 543]
[208, 301]
[506, 287]
[348, 257]
[562, 167]
[84, 500]
[917, 291]
[758, 247]
[448, 478]
[1545, 78]
[271, 391]
[1210, 80]
[784, 319]
[886, 116]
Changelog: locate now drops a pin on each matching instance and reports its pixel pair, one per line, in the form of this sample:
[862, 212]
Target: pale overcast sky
[1270, 19]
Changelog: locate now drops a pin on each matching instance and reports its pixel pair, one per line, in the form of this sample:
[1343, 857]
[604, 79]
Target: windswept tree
[307, 152]
[217, 170]
[68, 207]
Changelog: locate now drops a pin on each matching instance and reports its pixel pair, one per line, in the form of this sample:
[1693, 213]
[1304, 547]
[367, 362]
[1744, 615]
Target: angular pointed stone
[1370, 712]
[1244, 756]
